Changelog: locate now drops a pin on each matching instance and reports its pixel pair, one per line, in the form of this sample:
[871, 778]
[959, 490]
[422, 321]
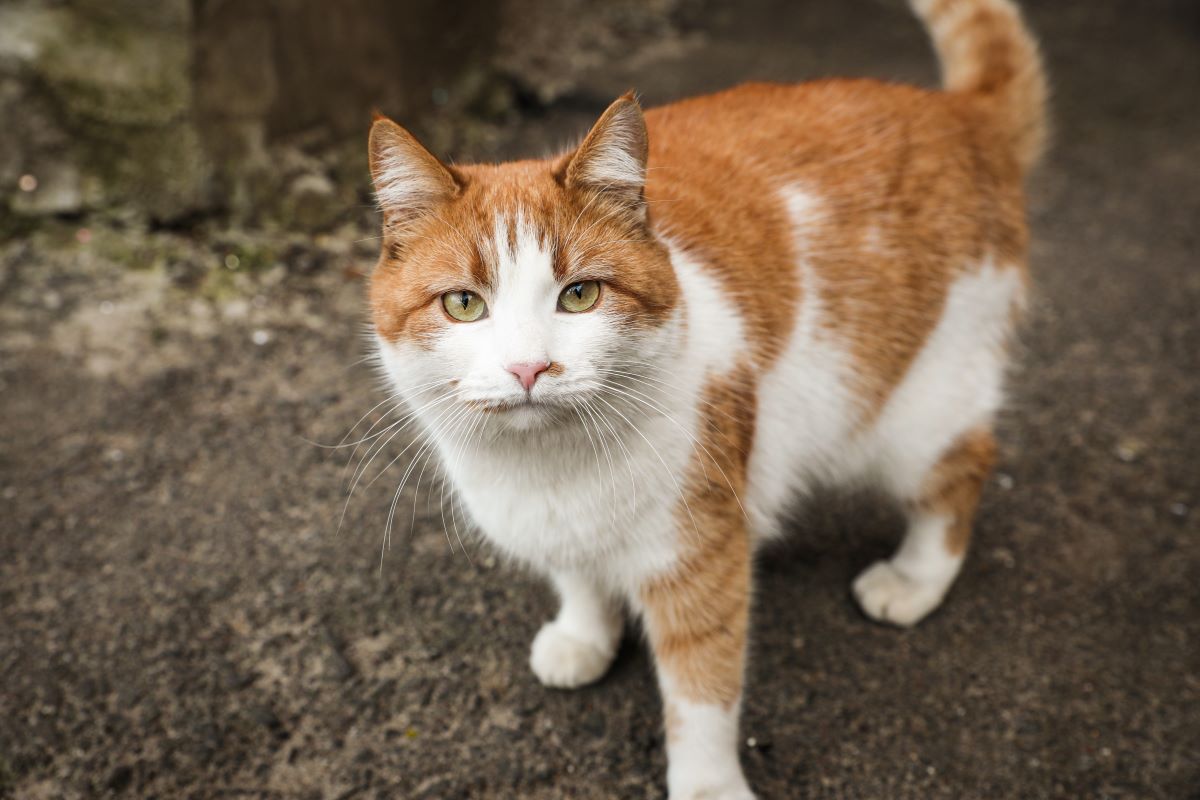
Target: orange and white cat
[633, 357]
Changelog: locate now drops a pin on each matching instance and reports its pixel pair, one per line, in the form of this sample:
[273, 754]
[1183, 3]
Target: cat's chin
[524, 417]
[527, 417]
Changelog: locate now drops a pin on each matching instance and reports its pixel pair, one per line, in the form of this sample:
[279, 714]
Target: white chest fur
[600, 494]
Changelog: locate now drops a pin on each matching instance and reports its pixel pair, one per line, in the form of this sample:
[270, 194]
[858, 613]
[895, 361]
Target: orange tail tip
[986, 49]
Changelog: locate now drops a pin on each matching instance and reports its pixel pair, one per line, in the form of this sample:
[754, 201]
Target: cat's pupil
[578, 290]
[465, 299]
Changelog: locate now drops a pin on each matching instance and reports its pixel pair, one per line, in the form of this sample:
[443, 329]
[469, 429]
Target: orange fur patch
[953, 486]
[698, 615]
[912, 187]
[451, 248]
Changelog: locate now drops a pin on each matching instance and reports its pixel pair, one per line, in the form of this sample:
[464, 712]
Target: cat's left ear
[612, 158]
[409, 180]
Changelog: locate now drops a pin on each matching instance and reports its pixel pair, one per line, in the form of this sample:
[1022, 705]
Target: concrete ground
[180, 617]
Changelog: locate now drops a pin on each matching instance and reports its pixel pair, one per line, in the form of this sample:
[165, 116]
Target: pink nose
[527, 372]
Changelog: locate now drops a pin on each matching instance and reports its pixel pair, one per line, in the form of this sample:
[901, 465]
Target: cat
[634, 357]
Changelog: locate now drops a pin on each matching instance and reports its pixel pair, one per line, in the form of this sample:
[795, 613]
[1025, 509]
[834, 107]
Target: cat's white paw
[734, 790]
[886, 595]
[565, 661]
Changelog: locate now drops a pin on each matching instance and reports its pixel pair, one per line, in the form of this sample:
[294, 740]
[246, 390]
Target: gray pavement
[180, 617]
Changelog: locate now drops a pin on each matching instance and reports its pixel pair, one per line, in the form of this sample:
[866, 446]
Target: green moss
[8, 778]
[248, 256]
[16, 226]
[136, 249]
[117, 74]
[234, 261]
[220, 284]
[123, 88]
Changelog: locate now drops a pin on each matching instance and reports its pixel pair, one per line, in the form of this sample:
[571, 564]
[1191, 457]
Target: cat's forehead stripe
[518, 251]
[516, 244]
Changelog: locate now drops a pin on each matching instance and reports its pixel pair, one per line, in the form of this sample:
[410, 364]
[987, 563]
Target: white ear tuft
[613, 156]
[409, 180]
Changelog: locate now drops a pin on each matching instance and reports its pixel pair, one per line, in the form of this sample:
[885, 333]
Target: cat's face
[526, 291]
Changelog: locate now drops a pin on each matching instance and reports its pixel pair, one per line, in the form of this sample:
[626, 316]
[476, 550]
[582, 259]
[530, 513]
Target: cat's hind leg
[905, 588]
[578, 646]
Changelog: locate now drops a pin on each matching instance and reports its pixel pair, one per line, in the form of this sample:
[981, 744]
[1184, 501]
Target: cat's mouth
[525, 403]
[524, 413]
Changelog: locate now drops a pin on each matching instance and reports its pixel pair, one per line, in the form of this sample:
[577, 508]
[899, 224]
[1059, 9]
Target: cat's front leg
[697, 619]
[577, 647]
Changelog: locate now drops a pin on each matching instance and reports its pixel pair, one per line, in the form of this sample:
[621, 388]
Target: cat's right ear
[409, 180]
[612, 158]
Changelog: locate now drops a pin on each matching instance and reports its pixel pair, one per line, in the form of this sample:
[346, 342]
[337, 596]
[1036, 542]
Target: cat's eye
[579, 296]
[464, 306]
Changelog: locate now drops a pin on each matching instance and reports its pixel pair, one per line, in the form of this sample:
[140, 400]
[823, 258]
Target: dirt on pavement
[181, 615]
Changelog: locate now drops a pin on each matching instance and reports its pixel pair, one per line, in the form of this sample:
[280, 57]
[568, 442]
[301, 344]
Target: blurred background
[185, 225]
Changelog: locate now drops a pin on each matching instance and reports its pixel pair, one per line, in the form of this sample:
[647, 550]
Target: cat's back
[881, 152]
[884, 195]
[856, 227]
[780, 126]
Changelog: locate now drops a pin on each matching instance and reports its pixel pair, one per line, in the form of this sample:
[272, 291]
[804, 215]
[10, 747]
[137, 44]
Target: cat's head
[524, 290]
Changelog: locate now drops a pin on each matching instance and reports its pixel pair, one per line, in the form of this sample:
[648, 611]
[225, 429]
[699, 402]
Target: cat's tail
[985, 50]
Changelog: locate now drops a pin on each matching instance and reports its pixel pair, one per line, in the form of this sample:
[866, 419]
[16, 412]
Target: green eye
[579, 296]
[464, 306]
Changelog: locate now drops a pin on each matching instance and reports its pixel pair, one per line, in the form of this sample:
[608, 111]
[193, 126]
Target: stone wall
[96, 107]
[177, 108]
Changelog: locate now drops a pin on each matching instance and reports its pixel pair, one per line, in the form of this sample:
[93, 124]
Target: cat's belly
[809, 426]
